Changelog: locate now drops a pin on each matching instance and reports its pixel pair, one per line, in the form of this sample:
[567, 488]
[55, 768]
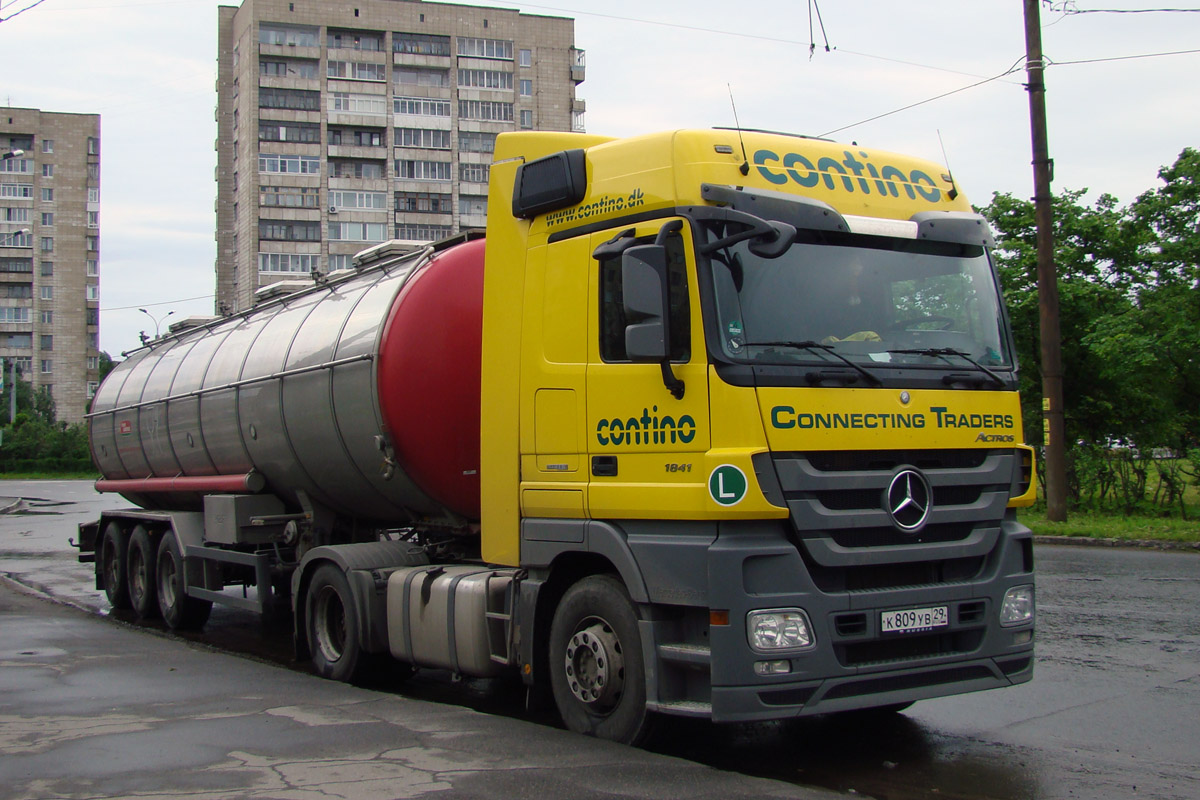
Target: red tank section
[428, 376]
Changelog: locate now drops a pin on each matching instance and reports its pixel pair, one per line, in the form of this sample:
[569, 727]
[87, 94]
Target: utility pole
[1053, 424]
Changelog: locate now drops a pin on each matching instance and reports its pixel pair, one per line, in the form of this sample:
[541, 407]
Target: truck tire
[140, 573]
[597, 671]
[333, 635]
[114, 549]
[179, 611]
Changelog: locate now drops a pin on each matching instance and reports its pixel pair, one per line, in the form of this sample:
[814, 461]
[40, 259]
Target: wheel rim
[110, 564]
[137, 573]
[330, 622]
[166, 583]
[595, 666]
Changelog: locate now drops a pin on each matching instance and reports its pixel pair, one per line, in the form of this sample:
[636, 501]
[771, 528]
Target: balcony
[578, 65]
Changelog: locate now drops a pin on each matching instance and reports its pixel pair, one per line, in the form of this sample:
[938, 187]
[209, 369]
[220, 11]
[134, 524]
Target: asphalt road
[1113, 710]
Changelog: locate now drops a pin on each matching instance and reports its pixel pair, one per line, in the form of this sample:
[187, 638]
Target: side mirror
[645, 291]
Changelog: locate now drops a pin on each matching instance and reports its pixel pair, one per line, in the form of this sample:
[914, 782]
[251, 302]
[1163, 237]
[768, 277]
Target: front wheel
[180, 611]
[597, 670]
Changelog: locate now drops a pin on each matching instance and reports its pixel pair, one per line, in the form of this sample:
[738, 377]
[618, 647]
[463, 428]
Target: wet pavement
[1113, 710]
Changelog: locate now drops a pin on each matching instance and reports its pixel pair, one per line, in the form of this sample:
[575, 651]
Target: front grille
[888, 460]
[908, 648]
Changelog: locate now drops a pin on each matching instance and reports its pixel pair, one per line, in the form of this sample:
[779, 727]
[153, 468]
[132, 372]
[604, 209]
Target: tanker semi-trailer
[713, 423]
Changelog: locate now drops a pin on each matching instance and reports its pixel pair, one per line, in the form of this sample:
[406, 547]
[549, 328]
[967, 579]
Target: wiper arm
[942, 352]
[825, 348]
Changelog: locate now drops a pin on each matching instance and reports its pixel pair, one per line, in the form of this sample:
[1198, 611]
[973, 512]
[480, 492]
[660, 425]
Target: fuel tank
[363, 394]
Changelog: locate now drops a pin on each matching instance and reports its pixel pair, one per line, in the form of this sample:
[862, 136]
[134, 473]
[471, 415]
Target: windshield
[867, 299]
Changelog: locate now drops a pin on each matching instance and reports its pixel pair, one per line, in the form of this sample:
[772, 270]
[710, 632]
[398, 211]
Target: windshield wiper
[942, 352]
[825, 348]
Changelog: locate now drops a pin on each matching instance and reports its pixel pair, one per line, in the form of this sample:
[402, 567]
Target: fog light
[1018, 606]
[1022, 637]
[779, 629]
[772, 667]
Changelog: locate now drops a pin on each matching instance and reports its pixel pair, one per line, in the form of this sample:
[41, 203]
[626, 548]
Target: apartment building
[345, 123]
[50, 254]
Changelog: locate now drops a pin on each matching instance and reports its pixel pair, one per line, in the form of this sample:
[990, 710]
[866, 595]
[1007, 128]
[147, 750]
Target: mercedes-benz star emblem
[908, 500]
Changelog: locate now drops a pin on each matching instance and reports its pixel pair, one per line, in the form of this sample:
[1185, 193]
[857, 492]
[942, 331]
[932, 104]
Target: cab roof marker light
[875, 226]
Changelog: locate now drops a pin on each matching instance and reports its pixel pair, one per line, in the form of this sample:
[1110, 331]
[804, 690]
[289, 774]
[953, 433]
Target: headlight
[1018, 606]
[779, 629]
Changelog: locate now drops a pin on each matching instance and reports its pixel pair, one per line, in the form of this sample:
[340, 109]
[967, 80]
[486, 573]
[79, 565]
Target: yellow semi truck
[712, 423]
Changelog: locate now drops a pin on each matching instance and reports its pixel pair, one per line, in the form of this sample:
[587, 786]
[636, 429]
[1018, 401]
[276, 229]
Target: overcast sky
[149, 69]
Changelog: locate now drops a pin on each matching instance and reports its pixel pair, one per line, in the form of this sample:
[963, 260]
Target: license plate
[914, 619]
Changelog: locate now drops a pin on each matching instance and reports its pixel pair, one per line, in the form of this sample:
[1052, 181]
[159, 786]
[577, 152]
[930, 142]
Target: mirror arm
[671, 381]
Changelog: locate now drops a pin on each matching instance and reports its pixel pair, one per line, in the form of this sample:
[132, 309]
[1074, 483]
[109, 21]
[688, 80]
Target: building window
[476, 142]
[47, 292]
[421, 44]
[16, 239]
[303, 263]
[365, 170]
[473, 173]
[92, 242]
[288, 197]
[472, 205]
[301, 132]
[92, 387]
[420, 107]
[93, 146]
[423, 170]
[526, 88]
[93, 362]
[47, 364]
[420, 76]
[357, 231]
[485, 48]
[351, 201]
[47, 145]
[18, 291]
[485, 79]
[47, 317]
[423, 202]
[422, 137]
[93, 315]
[21, 190]
[20, 341]
[47, 343]
[577, 121]
[14, 314]
[486, 110]
[339, 261]
[93, 172]
[295, 68]
[93, 219]
[48, 218]
[356, 71]
[93, 292]
[354, 40]
[47, 244]
[290, 230]
[526, 58]
[93, 267]
[24, 165]
[14, 214]
[93, 194]
[526, 119]
[416, 232]
[12, 264]
[47, 268]
[356, 138]
[293, 35]
[291, 99]
[93, 341]
[47, 170]
[368, 104]
[292, 165]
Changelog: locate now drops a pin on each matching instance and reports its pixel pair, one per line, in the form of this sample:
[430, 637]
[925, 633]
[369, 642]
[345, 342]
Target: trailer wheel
[113, 552]
[597, 670]
[179, 611]
[333, 634]
[140, 571]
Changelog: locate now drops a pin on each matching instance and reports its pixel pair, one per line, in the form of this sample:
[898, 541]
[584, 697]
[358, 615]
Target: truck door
[645, 446]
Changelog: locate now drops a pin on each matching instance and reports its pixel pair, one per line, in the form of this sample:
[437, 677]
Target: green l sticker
[727, 485]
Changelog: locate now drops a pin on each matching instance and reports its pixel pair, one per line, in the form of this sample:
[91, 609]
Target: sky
[940, 79]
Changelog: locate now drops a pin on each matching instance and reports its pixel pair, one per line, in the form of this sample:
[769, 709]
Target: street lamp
[13, 154]
[12, 237]
[157, 321]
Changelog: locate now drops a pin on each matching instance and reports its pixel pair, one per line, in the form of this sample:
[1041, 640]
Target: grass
[1099, 525]
[49, 476]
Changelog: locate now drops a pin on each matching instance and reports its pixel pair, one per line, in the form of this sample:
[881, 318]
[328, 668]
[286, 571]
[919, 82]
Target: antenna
[953, 193]
[745, 167]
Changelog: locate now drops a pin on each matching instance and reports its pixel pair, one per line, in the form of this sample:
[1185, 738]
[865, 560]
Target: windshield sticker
[599, 207]
[848, 174]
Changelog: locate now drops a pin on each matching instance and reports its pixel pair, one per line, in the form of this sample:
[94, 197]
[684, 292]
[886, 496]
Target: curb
[10, 504]
[1144, 544]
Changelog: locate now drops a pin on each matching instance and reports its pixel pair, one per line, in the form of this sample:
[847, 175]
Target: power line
[1070, 9]
[151, 305]
[19, 12]
[1122, 58]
